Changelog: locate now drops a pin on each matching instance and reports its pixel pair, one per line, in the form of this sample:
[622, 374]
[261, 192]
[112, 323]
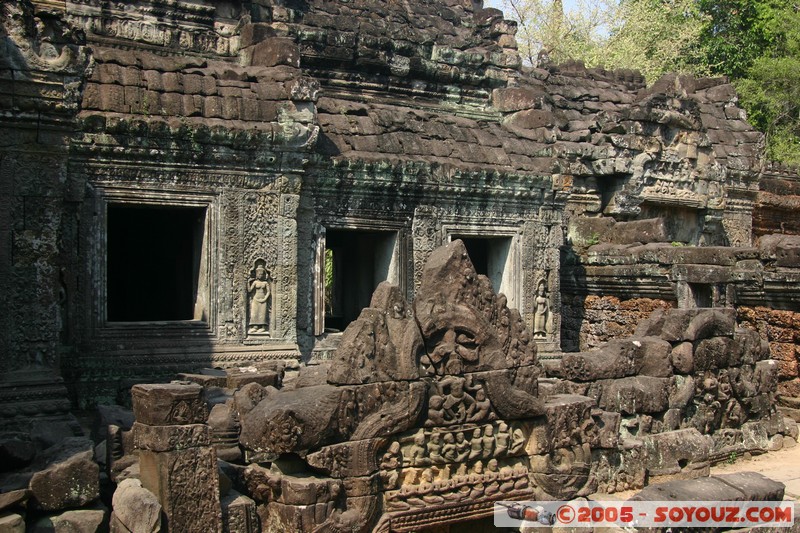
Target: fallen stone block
[742, 486]
[71, 479]
[696, 324]
[79, 521]
[12, 523]
[239, 514]
[136, 509]
[632, 395]
[683, 454]
[17, 498]
[169, 404]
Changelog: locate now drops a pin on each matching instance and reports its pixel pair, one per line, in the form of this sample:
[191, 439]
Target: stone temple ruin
[398, 275]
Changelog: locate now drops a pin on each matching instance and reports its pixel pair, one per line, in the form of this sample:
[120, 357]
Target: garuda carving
[419, 404]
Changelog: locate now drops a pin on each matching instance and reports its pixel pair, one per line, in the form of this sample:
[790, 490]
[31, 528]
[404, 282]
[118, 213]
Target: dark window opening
[153, 262]
[491, 256]
[478, 251]
[355, 263]
[703, 294]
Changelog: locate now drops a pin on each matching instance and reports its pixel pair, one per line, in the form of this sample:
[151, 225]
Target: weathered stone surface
[647, 356]
[517, 98]
[239, 514]
[682, 454]
[683, 358]
[275, 51]
[135, 509]
[169, 404]
[71, 478]
[639, 394]
[284, 423]
[169, 438]
[742, 486]
[265, 379]
[394, 357]
[81, 521]
[713, 353]
[12, 523]
[16, 452]
[17, 498]
[186, 484]
[697, 324]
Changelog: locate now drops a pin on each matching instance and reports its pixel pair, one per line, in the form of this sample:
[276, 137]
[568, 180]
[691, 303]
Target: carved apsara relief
[259, 291]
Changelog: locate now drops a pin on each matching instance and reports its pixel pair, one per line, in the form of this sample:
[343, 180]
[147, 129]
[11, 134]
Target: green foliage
[737, 33]
[549, 34]
[656, 37]
[770, 89]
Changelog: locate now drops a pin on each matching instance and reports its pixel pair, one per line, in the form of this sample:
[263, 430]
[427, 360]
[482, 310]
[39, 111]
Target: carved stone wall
[280, 122]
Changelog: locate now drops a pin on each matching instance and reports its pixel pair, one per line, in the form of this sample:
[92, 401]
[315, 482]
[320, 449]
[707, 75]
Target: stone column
[177, 462]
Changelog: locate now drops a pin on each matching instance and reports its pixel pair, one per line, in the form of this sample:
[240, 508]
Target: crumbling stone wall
[781, 329]
[778, 202]
[592, 320]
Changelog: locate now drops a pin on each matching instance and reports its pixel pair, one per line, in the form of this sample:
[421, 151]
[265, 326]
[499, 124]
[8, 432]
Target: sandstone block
[530, 119]
[135, 508]
[186, 483]
[239, 514]
[17, 498]
[80, 521]
[239, 379]
[168, 438]
[169, 404]
[713, 353]
[655, 357]
[632, 395]
[283, 423]
[12, 523]
[275, 51]
[681, 453]
[696, 324]
[683, 358]
[71, 479]
[517, 98]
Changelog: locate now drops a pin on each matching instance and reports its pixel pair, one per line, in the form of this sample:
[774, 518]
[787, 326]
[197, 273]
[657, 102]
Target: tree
[656, 37]
[737, 32]
[770, 90]
[549, 34]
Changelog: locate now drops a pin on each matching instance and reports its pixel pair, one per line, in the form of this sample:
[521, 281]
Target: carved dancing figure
[258, 288]
[436, 413]
[476, 481]
[426, 488]
[481, 409]
[491, 476]
[542, 312]
[506, 479]
[458, 403]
